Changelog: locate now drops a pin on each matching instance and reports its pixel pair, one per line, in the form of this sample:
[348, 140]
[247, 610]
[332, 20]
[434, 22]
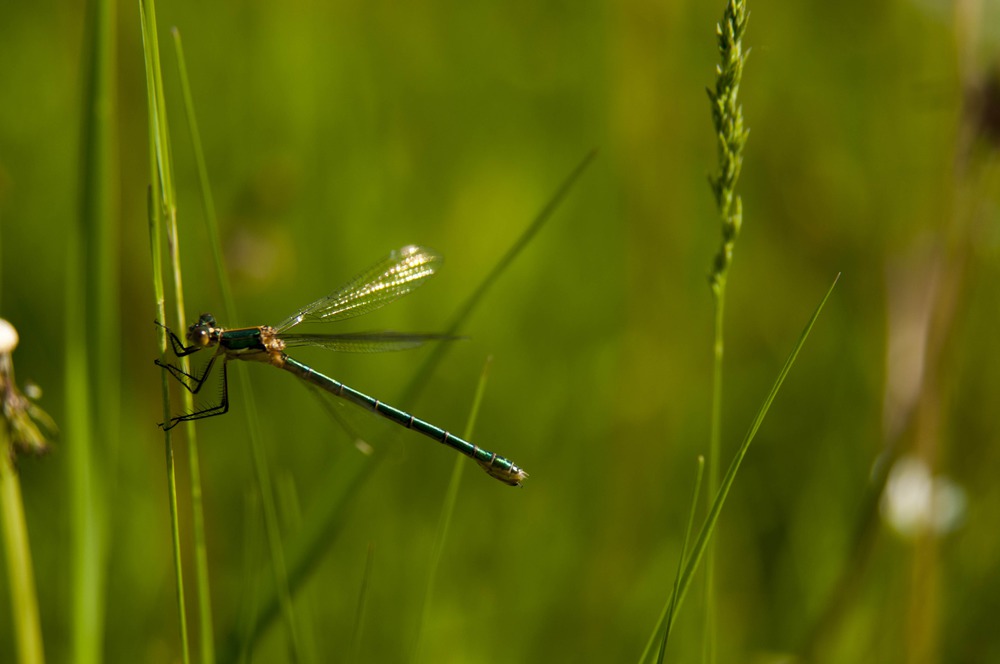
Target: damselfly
[389, 279]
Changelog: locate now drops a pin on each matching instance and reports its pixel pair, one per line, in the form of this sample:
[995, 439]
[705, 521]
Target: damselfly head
[204, 332]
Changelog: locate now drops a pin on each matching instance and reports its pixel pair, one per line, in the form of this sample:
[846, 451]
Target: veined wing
[363, 342]
[389, 279]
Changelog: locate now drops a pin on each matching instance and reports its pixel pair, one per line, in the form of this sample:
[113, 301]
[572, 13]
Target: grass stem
[19, 430]
[727, 117]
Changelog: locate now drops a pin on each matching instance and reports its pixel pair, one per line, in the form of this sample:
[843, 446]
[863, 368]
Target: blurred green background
[335, 132]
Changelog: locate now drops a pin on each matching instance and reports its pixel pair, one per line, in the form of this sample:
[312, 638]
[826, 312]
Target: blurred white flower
[915, 501]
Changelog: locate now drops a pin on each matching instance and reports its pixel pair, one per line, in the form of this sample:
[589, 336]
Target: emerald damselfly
[389, 279]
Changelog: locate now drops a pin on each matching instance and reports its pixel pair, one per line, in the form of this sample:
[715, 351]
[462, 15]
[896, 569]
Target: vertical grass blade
[727, 117]
[100, 193]
[204, 596]
[161, 204]
[87, 521]
[92, 369]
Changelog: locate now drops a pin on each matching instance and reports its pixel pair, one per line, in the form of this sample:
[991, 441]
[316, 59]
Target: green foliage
[337, 131]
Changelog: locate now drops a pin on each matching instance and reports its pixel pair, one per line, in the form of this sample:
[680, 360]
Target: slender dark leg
[190, 382]
[218, 409]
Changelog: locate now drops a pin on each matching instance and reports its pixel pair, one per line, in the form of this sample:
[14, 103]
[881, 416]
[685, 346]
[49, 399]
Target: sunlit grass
[325, 137]
[162, 209]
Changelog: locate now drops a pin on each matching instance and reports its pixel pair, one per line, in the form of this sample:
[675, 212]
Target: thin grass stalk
[27, 630]
[359, 620]
[666, 616]
[672, 604]
[448, 509]
[155, 224]
[204, 590]
[714, 454]
[727, 116]
[161, 183]
[18, 429]
[279, 568]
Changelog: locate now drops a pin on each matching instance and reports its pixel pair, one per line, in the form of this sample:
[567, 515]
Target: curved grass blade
[162, 214]
[420, 378]
[327, 514]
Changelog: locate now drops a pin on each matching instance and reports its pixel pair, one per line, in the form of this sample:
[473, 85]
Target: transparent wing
[364, 342]
[389, 279]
